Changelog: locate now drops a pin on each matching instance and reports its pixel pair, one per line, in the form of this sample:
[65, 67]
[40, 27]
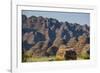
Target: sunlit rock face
[45, 36]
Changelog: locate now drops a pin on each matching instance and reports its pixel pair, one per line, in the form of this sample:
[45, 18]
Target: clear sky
[71, 17]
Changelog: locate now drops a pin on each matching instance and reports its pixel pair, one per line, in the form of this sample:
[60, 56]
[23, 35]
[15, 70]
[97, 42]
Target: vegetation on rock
[47, 39]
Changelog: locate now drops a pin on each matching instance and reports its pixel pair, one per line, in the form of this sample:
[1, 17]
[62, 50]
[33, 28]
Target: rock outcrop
[42, 36]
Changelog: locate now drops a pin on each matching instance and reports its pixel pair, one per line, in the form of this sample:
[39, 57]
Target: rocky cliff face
[43, 36]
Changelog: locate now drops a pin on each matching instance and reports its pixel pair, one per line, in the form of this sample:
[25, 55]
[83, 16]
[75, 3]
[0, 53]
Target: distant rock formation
[44, 37]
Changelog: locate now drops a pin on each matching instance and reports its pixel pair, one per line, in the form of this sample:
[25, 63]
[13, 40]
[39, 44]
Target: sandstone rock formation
[45, 37]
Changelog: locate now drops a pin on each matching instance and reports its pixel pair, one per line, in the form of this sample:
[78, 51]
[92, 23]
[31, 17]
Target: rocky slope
[43, 36]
